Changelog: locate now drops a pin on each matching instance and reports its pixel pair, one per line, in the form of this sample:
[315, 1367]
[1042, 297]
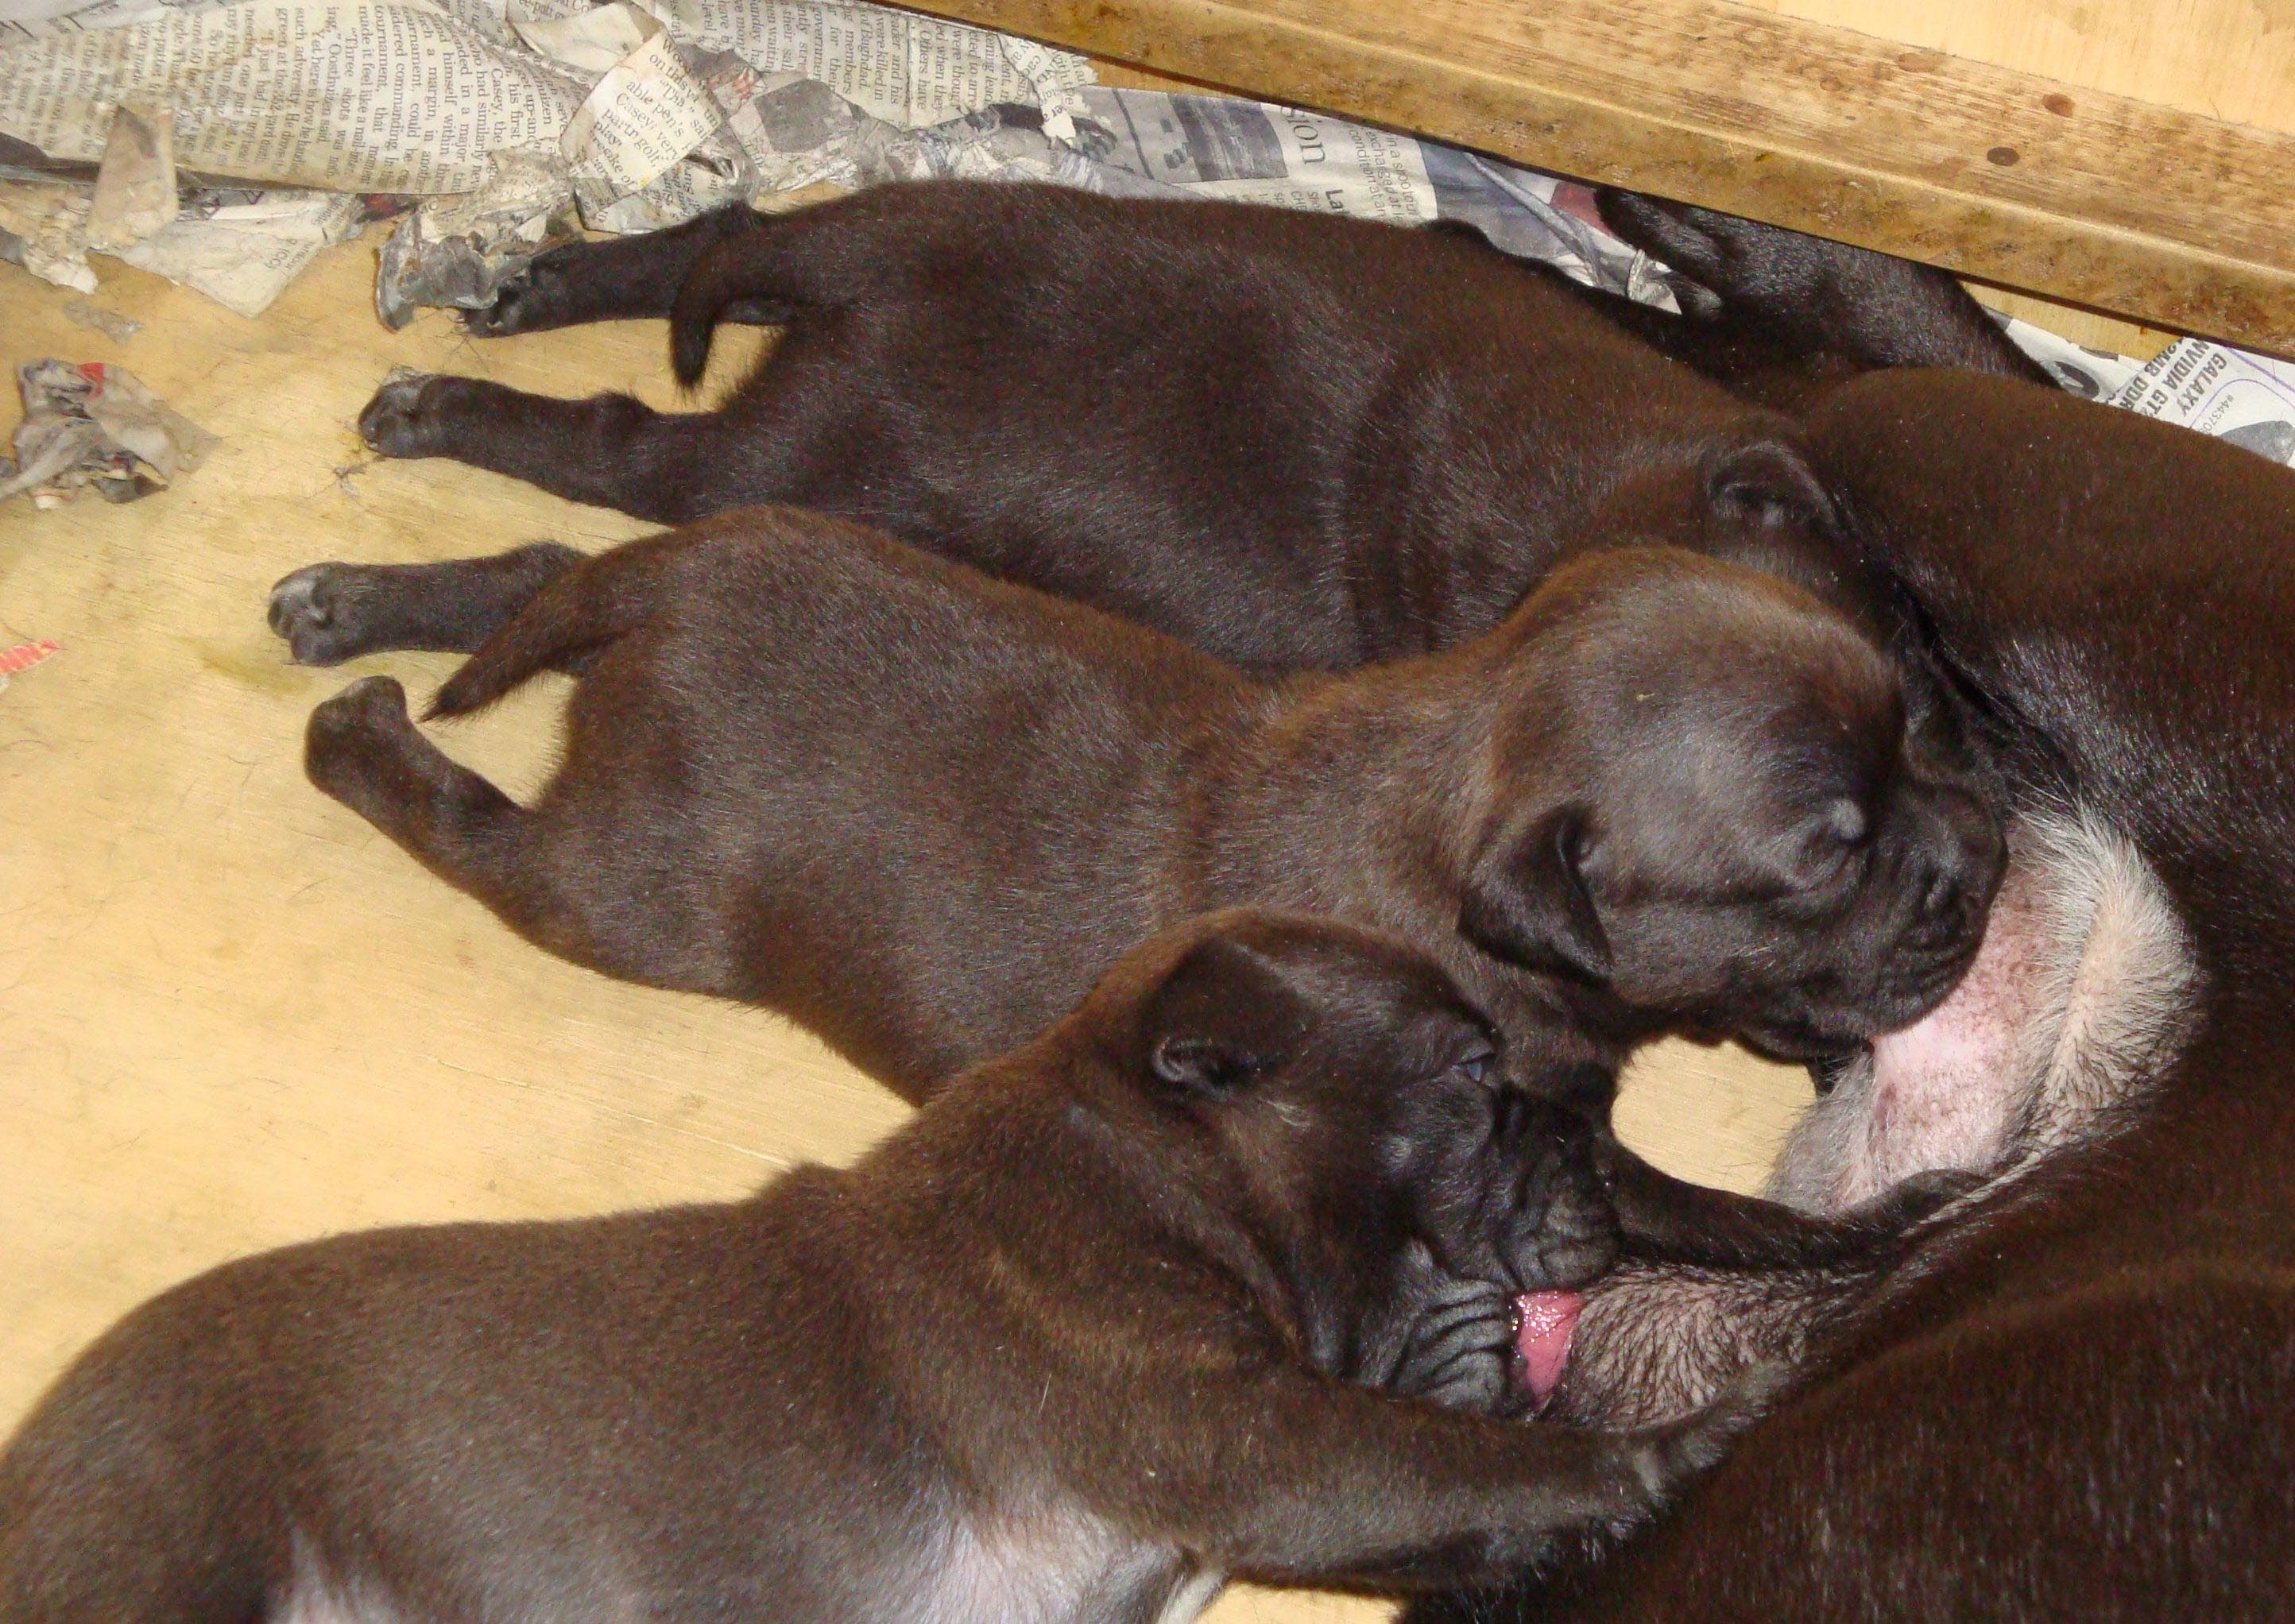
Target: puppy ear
[1202, 1065]
[1223, 1016]
[1527, 901]
[1768, 484]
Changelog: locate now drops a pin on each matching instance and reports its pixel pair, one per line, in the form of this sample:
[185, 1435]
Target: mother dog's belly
[2083, 988]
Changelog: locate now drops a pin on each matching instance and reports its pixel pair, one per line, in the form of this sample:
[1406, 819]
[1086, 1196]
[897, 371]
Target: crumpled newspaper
[95, 425]
[457, 251]
[649, 109]
[240, 246]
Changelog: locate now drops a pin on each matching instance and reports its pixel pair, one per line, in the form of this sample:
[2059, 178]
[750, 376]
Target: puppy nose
[1513, 1108]
[1963, 862]
[1523, 1117]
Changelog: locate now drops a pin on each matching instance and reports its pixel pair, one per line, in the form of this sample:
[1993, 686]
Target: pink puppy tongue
[1548, 1319]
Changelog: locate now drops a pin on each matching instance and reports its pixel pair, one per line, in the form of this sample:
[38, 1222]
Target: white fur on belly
[1049, 1567]
[2084, 986]
[1058, 1565]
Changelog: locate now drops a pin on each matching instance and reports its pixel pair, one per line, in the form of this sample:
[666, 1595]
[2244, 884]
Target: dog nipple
[1546, 1321]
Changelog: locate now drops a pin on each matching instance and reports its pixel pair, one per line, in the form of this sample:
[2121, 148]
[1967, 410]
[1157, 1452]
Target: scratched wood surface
[2152, 203]
[230, 1015]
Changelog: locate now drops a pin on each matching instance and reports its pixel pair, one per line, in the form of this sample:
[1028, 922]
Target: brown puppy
[921, 812]
[1073, 1345]
[1292, 440]
[2073, 1397]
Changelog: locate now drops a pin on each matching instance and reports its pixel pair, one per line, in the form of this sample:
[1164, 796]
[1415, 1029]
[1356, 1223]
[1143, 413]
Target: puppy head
[1353, 1102]
[1708, 804]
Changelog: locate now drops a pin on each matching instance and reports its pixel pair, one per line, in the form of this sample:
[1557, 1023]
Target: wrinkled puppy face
[1361, 1104]
[1709, 804]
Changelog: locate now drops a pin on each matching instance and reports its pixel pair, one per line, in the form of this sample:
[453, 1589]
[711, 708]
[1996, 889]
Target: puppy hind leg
[610, 450]
[330, 613]
[361, 748]
[530, 868]
[1827, 299]
[621, 279]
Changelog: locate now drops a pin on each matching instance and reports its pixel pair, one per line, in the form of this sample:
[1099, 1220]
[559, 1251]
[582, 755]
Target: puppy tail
[569, 623]
[754, 278]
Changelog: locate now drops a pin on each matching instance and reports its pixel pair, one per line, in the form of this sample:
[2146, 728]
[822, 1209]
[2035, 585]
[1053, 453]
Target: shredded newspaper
[94, 426]
[495, 129]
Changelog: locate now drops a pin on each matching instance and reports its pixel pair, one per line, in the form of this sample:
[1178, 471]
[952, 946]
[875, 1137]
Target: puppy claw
[1689, 239]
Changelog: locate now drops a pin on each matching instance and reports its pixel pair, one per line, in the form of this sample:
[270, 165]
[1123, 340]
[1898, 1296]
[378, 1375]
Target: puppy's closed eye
[1833, 838]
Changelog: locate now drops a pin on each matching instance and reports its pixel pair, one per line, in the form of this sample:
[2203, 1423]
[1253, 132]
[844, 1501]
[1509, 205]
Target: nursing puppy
[1293, 440]
[921, 812]
[1081, 1339]
[2071, 1396]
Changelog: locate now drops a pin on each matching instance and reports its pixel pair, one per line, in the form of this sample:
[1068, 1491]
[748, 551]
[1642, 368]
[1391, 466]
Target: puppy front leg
[1663, 1219]
[1827, 301]
[1320, 1482]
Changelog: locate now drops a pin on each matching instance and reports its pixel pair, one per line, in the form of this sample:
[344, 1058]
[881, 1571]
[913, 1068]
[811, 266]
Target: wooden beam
[2174, 219]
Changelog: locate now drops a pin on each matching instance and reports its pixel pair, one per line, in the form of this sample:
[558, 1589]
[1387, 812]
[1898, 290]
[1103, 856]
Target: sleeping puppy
[1293, 440]
[921, 812]
[2070, 1395]
[1081, 1339]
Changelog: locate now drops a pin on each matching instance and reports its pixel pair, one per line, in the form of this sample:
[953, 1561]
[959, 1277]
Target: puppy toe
[1690, 1447]
[1563, 1227]
[1674, 233]
[513, 311]
[1572, 1252]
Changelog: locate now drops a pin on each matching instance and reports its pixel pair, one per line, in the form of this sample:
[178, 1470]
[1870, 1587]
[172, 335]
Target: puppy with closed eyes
[1088, 1334]
[921, 812]
[1292, 440]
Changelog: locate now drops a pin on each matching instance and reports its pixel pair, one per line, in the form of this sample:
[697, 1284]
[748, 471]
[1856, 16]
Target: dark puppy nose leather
[1961, 861]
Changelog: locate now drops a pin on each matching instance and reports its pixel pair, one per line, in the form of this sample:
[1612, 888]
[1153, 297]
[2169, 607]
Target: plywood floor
[230, 1015]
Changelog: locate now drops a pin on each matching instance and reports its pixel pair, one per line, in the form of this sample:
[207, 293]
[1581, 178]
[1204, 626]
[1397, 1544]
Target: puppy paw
[352, 739]
[412, 414]
[534, 299]
[1458, 1351]
[1678, 1454]
[318, 610]
[1695, 242]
